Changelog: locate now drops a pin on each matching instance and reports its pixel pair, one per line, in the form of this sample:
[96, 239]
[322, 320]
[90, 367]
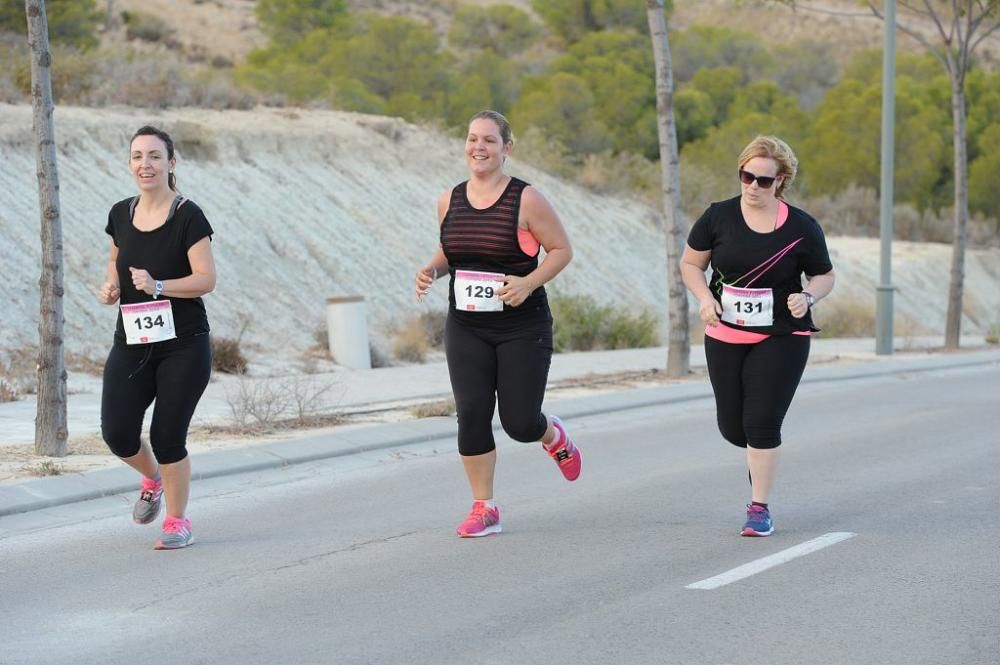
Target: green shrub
[993, 334]
[70, 22]
[633, 331]
[147, 27]
[577, 322]
[581, 324]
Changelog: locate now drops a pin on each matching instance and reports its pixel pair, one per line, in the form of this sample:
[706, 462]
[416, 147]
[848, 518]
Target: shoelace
[481, 512]
[174, 525]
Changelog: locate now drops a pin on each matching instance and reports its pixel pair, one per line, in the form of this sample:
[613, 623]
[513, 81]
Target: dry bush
[44, 468]
[540, 150]
[410, 343]
[19, 374]
[434, 323]
[856, 212]
[8, 391]
[845, 317]
[259, 405]
[622, 173]
[194, 141]
[126, 76]
[77, 362]
[306, 395]
[227, 357]
[319, 350]
[444, 407]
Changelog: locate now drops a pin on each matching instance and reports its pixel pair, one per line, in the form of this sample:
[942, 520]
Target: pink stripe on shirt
[724, 333]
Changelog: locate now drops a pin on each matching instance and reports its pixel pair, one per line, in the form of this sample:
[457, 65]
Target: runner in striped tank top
[498, 335]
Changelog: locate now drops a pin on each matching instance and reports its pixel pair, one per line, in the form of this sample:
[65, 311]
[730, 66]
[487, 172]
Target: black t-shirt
[163, 253]
[739, 254]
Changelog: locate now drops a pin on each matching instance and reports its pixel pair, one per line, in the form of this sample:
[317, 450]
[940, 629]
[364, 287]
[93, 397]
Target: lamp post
[883, 318]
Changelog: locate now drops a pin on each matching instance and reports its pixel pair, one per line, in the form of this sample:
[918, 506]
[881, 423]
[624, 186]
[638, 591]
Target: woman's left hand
[515, 290]
[798, 305]
[142, 280]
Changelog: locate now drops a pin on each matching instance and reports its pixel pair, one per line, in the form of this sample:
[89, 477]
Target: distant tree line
[579, 82]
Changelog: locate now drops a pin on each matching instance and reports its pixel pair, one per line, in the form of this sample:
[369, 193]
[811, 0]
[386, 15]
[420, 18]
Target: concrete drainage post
[347, 331]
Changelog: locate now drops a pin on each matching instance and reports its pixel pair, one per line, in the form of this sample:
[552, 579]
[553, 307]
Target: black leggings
[754, 385]
[504, 361]
[175, 374]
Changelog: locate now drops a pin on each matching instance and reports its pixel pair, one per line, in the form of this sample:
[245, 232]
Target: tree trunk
[679, 347]
[953, 320]
[50, 419]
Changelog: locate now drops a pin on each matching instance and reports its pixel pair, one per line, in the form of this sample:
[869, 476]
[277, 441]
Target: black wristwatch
[810, 299]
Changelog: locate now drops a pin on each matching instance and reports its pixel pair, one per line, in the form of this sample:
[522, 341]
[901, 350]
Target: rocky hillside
[311, 205]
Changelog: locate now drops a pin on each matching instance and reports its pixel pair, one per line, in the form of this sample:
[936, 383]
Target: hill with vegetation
[308, 205]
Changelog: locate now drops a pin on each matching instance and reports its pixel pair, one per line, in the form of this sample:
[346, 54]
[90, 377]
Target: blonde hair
[773, 148]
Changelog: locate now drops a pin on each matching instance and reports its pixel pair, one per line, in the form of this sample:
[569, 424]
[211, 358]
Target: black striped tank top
[485, 239]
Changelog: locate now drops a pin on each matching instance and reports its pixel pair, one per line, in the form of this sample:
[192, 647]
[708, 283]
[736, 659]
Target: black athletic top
[163, 253]
[486, 240]
[741, 257]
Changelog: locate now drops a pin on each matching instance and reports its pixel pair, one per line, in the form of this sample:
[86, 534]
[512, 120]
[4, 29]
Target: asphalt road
[354, 560]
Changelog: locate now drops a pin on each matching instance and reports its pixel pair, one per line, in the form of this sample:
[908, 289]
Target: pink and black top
[744, 258]
[489, 240]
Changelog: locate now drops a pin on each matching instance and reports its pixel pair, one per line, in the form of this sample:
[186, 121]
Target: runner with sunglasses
[756, 308]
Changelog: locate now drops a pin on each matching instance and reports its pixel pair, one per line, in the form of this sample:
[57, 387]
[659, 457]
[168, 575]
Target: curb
[44, 493]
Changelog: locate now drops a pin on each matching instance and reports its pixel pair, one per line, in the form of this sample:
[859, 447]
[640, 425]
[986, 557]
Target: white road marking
[776, 559]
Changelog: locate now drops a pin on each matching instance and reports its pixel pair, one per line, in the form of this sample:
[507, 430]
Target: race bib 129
[478, 291]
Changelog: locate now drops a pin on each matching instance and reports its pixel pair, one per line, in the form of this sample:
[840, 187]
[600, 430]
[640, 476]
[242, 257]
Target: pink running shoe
[176, 534]
[482, 521]
[564, 452]
[147, 507]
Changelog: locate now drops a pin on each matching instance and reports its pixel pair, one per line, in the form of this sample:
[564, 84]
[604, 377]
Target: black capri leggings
[506, 361]
[754, 385]
[175, 374]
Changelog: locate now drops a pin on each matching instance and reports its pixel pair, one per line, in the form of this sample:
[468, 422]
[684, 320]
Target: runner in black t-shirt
[160, 266]
[498, 336]
[756, 310]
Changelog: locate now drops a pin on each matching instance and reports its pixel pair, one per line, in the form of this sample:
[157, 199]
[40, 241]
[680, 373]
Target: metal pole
[883, 318]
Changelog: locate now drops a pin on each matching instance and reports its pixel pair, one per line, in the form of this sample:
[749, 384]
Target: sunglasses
[763, 181]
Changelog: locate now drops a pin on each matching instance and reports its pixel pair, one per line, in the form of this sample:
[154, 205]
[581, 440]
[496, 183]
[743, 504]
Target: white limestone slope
[307, 205]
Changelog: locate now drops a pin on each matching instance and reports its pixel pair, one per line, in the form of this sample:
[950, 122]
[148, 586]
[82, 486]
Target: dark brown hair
[149, 130]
